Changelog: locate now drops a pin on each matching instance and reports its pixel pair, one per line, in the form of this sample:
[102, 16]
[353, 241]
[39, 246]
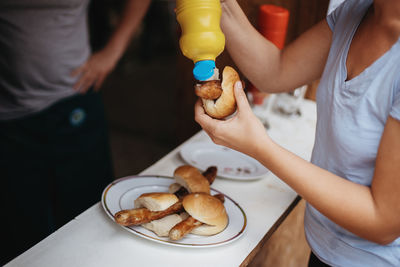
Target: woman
[352, 185]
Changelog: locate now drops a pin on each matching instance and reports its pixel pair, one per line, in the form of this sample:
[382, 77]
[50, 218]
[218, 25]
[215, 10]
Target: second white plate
[230, 163]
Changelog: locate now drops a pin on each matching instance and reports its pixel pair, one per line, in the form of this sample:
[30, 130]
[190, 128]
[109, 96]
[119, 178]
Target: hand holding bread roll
[218, 97]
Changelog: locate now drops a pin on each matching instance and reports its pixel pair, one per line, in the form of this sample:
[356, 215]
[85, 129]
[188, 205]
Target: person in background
[352, 185]
[54, 152]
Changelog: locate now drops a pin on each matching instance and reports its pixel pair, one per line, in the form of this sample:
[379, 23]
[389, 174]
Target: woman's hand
[239, 132]
[94, 71]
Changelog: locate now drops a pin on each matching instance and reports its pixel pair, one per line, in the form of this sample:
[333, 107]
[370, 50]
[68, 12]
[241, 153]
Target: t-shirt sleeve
[395, 110]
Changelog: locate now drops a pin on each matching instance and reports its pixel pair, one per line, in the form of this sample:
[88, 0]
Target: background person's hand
[94, 71]
[239, 132]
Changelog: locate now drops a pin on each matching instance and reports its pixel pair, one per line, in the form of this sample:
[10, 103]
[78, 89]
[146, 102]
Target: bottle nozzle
[203, 69]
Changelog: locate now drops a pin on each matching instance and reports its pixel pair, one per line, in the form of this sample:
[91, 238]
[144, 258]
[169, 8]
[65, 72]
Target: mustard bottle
[202, 39]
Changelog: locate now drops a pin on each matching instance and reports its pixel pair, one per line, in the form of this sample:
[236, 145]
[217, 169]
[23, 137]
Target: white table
[93, 239]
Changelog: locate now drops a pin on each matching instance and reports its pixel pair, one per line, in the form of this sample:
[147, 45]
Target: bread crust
[208, 210]
[225, 105]
[210, 174]
[157, 201]
[161, 227]
[192, 179]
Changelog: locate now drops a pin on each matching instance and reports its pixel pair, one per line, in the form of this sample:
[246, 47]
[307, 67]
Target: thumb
[241, 99]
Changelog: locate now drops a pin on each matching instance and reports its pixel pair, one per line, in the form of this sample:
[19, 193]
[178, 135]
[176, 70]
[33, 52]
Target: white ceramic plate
[230, 163]
[121, 194]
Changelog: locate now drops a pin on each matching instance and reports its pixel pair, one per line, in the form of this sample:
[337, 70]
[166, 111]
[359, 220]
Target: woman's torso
[351, 118]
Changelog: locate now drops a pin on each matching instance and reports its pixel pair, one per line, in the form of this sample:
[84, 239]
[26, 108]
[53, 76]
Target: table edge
[268, 235]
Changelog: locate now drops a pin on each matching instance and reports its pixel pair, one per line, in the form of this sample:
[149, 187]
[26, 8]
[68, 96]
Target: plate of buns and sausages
[182, 210]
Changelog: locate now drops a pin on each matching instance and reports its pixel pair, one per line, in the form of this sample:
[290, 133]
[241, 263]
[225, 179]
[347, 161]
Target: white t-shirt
[351, 119]
[333, 4]
[41, 43]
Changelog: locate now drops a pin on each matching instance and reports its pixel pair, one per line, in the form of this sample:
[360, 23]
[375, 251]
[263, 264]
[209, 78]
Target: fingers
[208, 124]
[198, 108]
[205, 121]
[88, 79]
[241, 99]
[84, 82]
[199, 114]
[79, 70]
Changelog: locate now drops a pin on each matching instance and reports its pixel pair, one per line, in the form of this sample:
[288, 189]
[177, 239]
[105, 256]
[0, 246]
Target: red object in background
[272, 24]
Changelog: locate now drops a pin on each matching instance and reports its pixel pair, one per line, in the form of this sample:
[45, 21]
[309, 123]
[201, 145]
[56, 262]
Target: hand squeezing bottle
[202, 39]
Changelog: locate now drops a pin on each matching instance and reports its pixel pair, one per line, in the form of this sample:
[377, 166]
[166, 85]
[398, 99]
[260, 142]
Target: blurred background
[149, 99]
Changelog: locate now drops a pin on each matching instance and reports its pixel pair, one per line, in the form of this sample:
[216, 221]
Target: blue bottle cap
[203, 69]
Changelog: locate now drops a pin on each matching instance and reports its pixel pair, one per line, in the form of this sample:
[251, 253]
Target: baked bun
[208, 210]
[156, 201]
[191, 178]
[224, 105]
[161, 227]
[174, 187]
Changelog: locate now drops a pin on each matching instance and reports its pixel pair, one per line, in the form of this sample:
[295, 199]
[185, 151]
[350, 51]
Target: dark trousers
[53, 166]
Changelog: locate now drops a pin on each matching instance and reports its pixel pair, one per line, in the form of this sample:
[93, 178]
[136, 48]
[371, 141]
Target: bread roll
[210, 174]
[208, 210]
[225, 104]
[161, 227]
[156, 201]
[192, 179]
[174, 187]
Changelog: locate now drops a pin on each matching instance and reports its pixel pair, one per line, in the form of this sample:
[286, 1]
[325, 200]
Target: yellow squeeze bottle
[202, 39]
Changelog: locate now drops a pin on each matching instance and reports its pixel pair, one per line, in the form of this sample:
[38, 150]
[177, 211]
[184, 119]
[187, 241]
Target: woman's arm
[369, 212]
[267, 67]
